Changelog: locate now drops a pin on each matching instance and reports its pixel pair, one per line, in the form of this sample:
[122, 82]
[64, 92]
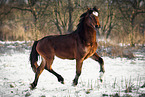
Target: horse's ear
[96, 9]
[88, 8]
[90, 11]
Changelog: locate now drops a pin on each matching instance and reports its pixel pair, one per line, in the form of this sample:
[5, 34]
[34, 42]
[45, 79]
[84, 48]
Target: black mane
[95, 9]
[80, 26]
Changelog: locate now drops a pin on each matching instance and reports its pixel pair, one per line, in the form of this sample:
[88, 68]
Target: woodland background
[122, 21]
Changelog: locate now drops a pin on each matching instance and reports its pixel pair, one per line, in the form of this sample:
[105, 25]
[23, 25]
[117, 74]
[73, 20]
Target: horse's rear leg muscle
[49, 68]
[96, 57]
[37, 74]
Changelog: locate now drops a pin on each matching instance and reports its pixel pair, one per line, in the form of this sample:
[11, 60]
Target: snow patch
[16, 75]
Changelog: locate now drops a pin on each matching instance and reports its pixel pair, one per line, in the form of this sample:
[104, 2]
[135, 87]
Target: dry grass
[114, 50]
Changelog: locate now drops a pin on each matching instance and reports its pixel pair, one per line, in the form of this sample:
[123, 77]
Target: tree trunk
[57, 22]
[70, 8]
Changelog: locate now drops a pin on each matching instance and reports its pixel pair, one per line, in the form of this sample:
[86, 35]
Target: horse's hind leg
[49, 68]
[37, 74]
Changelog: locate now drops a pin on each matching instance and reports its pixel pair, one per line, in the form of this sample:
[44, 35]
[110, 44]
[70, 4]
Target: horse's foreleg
[49, 68]
[37, 74]
[96, 57]
[78, 71]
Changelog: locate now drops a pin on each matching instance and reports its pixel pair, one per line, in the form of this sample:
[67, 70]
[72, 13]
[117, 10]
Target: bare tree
[64, 17]
[130, 9]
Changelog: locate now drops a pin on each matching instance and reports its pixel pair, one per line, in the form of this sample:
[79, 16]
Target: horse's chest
[90, 49]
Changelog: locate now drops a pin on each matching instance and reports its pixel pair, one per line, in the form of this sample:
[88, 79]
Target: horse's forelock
[83, 16]
[95, 9]
[89, 11]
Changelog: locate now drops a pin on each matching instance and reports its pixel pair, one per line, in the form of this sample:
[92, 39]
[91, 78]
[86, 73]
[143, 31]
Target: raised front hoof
[101, 76]
[101, 80]
[32, 86]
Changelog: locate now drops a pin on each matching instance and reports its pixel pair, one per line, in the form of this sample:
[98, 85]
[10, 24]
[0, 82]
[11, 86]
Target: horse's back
[63, 46]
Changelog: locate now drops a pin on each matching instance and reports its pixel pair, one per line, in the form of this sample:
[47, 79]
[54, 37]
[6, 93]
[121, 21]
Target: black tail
[34, 56]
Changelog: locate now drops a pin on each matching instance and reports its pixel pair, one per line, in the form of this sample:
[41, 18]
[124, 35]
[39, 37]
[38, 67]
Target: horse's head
[93, 18]
[89, 18]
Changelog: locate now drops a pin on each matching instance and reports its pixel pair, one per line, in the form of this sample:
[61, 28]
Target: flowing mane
[80, 26]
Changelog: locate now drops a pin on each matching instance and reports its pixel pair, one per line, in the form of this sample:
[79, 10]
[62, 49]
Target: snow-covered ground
[16, 75]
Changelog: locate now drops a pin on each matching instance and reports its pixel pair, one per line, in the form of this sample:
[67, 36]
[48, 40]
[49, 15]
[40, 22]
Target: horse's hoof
[61, 79]
[101, 80]
[62, 82]
[32, 86]
[74, 83]
[101, 76]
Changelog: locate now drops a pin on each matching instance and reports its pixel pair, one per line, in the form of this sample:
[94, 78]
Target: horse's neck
[88, 35]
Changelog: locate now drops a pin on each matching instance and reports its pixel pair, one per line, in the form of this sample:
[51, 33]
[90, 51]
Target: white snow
[12, 42]
[16, 75]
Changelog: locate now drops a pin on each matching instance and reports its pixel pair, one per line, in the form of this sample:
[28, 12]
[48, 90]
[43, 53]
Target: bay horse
[80, 45]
